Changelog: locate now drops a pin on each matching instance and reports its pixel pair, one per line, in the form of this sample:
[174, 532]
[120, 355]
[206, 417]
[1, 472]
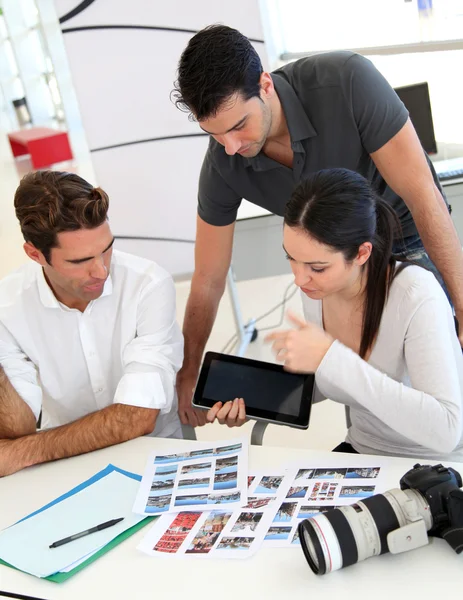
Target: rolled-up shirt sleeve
[21, 371]
[152, 359]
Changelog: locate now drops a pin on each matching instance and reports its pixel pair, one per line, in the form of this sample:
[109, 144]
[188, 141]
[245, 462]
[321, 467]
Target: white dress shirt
[406, 400]
[126, 347]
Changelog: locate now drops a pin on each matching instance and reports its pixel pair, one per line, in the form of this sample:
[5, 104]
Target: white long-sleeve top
[126, 347]
[407, 399]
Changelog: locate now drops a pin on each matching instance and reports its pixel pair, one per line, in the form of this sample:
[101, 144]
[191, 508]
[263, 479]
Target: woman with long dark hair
[379, 334]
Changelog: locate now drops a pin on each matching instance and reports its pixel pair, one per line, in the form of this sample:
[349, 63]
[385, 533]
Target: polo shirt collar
[299, 125]
[48, 298]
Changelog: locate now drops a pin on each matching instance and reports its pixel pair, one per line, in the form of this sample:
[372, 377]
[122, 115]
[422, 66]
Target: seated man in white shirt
[88, 335]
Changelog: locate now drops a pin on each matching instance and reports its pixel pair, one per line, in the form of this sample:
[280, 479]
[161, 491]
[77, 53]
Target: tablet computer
[270, 393]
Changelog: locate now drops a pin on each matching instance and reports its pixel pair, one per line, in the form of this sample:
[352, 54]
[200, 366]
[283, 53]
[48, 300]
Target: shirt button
[99, 390]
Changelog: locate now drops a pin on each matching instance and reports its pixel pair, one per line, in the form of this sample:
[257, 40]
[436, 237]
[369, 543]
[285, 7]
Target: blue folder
[60, 577]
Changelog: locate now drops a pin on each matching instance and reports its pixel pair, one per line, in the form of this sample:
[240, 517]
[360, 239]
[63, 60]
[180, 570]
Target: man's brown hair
[50, 202]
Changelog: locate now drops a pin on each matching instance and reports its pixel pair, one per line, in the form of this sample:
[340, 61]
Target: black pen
[76, 536]
[18, 596]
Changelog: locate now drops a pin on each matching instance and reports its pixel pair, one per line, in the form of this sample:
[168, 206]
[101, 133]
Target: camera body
[440, 486]
[428, 503]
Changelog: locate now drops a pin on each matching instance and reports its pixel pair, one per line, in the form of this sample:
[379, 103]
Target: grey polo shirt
[339, 110]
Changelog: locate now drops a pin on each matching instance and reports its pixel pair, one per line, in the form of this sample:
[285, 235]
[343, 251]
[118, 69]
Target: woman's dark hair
[49, 202]
[338, 208]
[217, 63]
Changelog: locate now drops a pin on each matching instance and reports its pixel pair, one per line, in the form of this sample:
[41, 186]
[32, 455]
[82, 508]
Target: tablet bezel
[300, 422]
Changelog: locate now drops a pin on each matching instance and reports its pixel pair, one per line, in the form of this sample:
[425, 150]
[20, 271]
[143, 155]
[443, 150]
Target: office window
[409, 41]
[314, 25]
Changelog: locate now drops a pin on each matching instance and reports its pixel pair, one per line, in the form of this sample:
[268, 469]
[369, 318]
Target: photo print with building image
[209, 532]
[268, 484]
[286, 512]
[177, 532]
[357, 491]
[247, 522]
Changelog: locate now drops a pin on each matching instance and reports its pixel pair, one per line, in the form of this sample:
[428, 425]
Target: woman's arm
[429, 412]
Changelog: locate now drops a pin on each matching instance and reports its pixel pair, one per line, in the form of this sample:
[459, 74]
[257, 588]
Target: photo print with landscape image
[231, 449]
[191, 500]
[187, 484]
[268, 484]
[226, 465]
[225, 481]
[195, 468]
[166, 470]
[157, 504]
[363, 473]
[277, 533]
[335, 473]
[223, 498]
[161, 484]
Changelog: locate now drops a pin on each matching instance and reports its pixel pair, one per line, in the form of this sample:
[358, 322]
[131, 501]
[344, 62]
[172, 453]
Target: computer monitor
[417, 102]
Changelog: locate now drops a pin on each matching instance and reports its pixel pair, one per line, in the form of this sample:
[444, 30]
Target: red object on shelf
[46, 146]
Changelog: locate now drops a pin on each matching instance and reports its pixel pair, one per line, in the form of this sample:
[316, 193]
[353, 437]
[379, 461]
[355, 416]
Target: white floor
[327, 426]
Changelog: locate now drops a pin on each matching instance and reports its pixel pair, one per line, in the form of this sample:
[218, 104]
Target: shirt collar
[48, 298]
[299, 124]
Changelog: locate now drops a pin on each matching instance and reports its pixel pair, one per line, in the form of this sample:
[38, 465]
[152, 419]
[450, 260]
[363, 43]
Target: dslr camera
[429, 503]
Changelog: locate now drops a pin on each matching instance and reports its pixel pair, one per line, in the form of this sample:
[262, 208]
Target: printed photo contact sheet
[209, 476]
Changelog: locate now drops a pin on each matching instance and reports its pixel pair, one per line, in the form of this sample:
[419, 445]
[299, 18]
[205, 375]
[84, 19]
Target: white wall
[146, 153]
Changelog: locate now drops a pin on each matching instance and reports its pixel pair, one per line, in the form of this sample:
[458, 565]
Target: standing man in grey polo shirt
[271, 130]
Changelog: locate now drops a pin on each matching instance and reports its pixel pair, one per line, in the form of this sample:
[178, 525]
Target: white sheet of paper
[210, 475]
[26, 544]
[314, 488]
[80, 561]
[219, 533]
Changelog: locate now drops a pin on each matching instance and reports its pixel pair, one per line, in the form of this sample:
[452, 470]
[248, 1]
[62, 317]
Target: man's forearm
[402, 163]
[112, 425]
[200, 314]
[441, 242]
[16, 418]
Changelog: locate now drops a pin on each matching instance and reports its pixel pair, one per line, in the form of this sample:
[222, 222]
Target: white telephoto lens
[364, 530]
[328, 542]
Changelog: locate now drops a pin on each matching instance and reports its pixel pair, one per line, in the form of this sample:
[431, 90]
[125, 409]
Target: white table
[434, 571]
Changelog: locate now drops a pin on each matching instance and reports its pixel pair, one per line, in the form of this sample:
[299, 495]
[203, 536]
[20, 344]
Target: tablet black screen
[268, 391]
